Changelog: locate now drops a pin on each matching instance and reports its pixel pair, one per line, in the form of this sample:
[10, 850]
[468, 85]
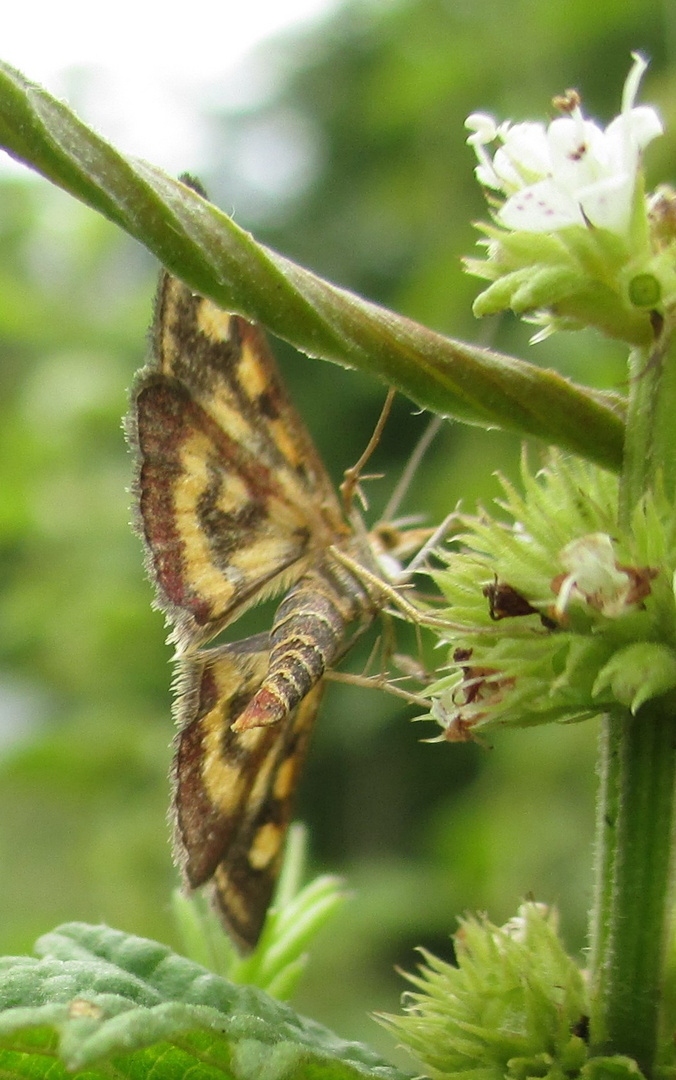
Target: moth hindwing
[234, 505]
[233, 791]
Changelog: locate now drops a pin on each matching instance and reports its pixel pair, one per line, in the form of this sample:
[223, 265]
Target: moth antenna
[434, 540]
[372, 657]
[405, 480]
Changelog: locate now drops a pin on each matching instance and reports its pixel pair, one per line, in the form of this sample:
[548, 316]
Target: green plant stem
[650, 446]
[635, 840]
[630, 918]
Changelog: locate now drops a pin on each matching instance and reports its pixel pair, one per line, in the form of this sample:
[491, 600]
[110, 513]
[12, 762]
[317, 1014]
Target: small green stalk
[630, 919]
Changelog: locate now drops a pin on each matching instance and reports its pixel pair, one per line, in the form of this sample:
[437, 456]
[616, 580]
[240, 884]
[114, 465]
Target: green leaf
[218, 259]
[100, 995]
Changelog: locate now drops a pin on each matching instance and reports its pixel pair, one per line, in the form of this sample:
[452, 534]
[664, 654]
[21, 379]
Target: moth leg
[350, 485]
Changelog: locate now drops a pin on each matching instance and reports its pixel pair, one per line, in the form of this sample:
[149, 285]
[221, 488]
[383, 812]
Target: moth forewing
[233, 500]
[227, 364]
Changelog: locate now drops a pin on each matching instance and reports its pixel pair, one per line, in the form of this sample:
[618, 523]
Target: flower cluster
[515, 1006]
[564, 617]
[575, 241]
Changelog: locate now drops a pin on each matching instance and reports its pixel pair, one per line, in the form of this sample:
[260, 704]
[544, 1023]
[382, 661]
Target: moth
[234, 505]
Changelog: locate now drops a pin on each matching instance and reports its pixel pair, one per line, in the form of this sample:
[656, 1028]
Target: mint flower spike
[513, 1007]
[574, 241]
[556, 612]
[572, 172]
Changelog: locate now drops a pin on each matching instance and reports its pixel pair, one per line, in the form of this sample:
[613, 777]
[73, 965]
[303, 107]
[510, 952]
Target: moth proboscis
[234, 506]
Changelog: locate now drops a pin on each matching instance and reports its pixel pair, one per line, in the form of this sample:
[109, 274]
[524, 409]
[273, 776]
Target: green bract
[556, 613]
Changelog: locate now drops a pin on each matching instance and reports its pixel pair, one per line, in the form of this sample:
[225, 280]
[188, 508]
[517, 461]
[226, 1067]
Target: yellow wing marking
[212, 321]
[265, 846]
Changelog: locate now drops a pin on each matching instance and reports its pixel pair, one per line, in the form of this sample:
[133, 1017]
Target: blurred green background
[354, 163]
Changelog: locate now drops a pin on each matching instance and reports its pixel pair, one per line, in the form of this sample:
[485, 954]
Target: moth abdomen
[306, 637]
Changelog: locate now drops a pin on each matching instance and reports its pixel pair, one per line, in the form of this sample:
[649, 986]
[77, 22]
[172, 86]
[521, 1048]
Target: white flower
[572, 172]
[596, 579]
[516, 928]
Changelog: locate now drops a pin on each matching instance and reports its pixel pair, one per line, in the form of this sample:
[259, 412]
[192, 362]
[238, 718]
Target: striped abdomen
[307, 634]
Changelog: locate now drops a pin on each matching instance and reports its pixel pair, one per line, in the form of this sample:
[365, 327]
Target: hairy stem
[635, 825]
[630, 918]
